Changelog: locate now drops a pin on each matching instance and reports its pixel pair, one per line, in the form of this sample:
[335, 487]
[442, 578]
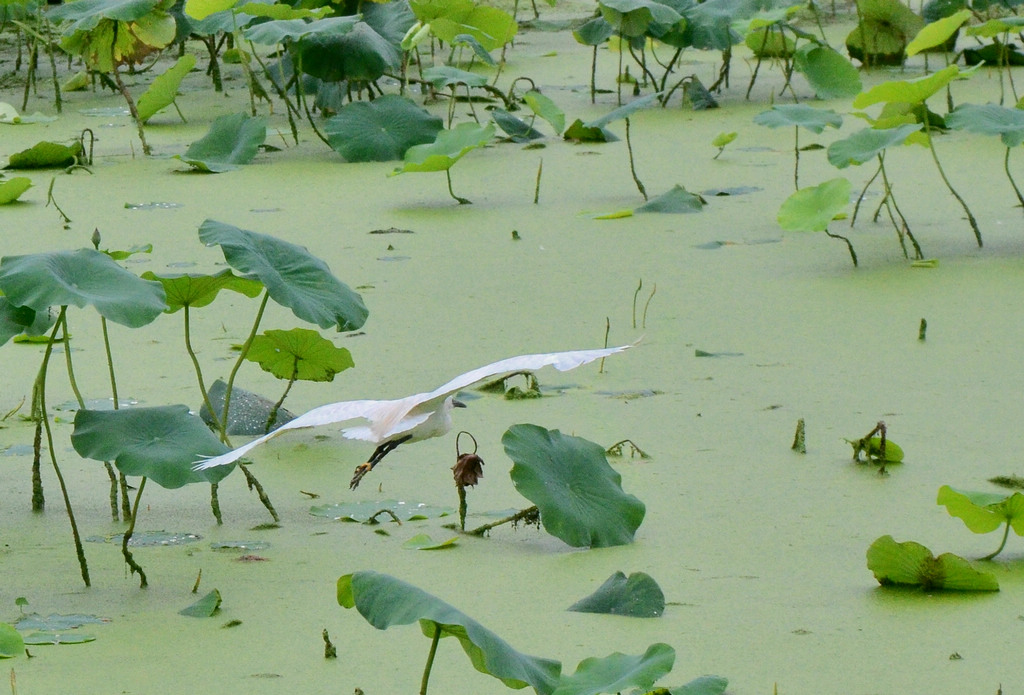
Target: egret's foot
[361, 470]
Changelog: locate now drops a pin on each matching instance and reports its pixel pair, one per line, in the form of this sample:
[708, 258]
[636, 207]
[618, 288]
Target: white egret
[420, 416]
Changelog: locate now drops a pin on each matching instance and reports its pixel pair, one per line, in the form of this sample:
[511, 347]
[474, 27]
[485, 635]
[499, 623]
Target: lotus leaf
[57, 622]
[867, 144]
[635, 17]
[385, 601]
[164, 89]
[205, 607]
[11, 189]
[41, 638]
[478, 50]
[380, 130]
[106, 33]
[81, 277]
[709, 25]
[298, 353]
[517, 130]
[989, 119]
[15, 320]
[201, 9]
[594, 32]
[887, 26]
[161, 443]
[442, 76]
[618, 672]
[294, 278]
[360, 54]
[46, 155]
[908, 91]
[448, 148]
[912, 564]
[546, 109]
[799, 115]
[11, 642]
[996, 26]
[705, 685]
[579, 495]
[830, 74]
[983, 512]
[637, 596]
[937, 33]
[281, 11]
[812, 209]
[422, 541]
[199, 290]
[233, 140]
[283, 30]
[675, 200]
[624, 111]
[491, 26]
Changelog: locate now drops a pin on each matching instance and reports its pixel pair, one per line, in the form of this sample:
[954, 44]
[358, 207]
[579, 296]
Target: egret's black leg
[379, 453]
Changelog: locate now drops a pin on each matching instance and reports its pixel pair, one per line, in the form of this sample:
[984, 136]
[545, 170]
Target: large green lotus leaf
[201, 9]
[996, 26]
[233, 140]
[579, 495]
[114, 42]
[908, 91]
[802, 115]
[81, 277]
[282, 30]
[633, 17]
[11, 189]
[15, 320]
[618, 672]
[448, 148]
[594, 33]
[675, 200]
[709, 25]
[164, 89]
[624, 111]
[637, 596]
[491, 26]
[983, 512]
[360, 54]
[937, 33]
[293, 276]
[704, 685]
[812, 209]
[442, 76]
[989, 119]
[16, 10]
[380, 130]
[301, 352]
[547, 109]
[46, 155]
[87, 14]
[281, 11]
[11, 642]
[912, 564]
[517, 130]
[830, 74]
[197, 290]
[385, 601]
[161, 443]
[867, 144]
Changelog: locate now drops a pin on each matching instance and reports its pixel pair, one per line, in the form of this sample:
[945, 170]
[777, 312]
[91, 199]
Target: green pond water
[760, 551]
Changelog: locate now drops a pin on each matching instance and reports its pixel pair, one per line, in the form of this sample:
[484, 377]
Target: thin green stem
[430, 658]
[938, 165]
[462, 201]
[238, 364]
[135, 567]
[863, 192]
[1006, 168]
[528, 514]
[195, 365]
[1006, 534]
[632, 165]
[41, 396]
[796, 158]
[853, 254]
[904, 229]
[66, 337]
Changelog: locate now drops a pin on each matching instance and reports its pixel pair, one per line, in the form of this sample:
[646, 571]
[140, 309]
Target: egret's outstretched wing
[329, 414]
[562, 361]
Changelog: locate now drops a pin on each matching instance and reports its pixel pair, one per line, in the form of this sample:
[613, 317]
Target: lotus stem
[254, 484]
[938, 165]
[643, 316]
[529, 514]
[40, 395]
[863, 192]
[796, 158]
[536, 187]
[463, 506]
[1006, 168]
[215, 503]
[134, 111]
[607, 330]
[117, 406]
[760, 55]
[238, 364]
[905, 228]
[277, 406]
[593, 77]
[635, 295]
[128, 558]
[853, 254]
[430, 658]
[461, 201]
[199, 371]
[632, 165]
[1006, 534]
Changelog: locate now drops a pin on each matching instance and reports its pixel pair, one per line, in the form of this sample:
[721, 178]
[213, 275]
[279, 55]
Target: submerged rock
[249, 411]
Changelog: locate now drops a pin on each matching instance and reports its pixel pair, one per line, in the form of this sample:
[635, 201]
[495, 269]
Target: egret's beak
[458, 404]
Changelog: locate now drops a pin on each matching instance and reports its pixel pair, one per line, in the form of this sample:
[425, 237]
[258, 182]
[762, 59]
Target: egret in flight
[410, 419]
